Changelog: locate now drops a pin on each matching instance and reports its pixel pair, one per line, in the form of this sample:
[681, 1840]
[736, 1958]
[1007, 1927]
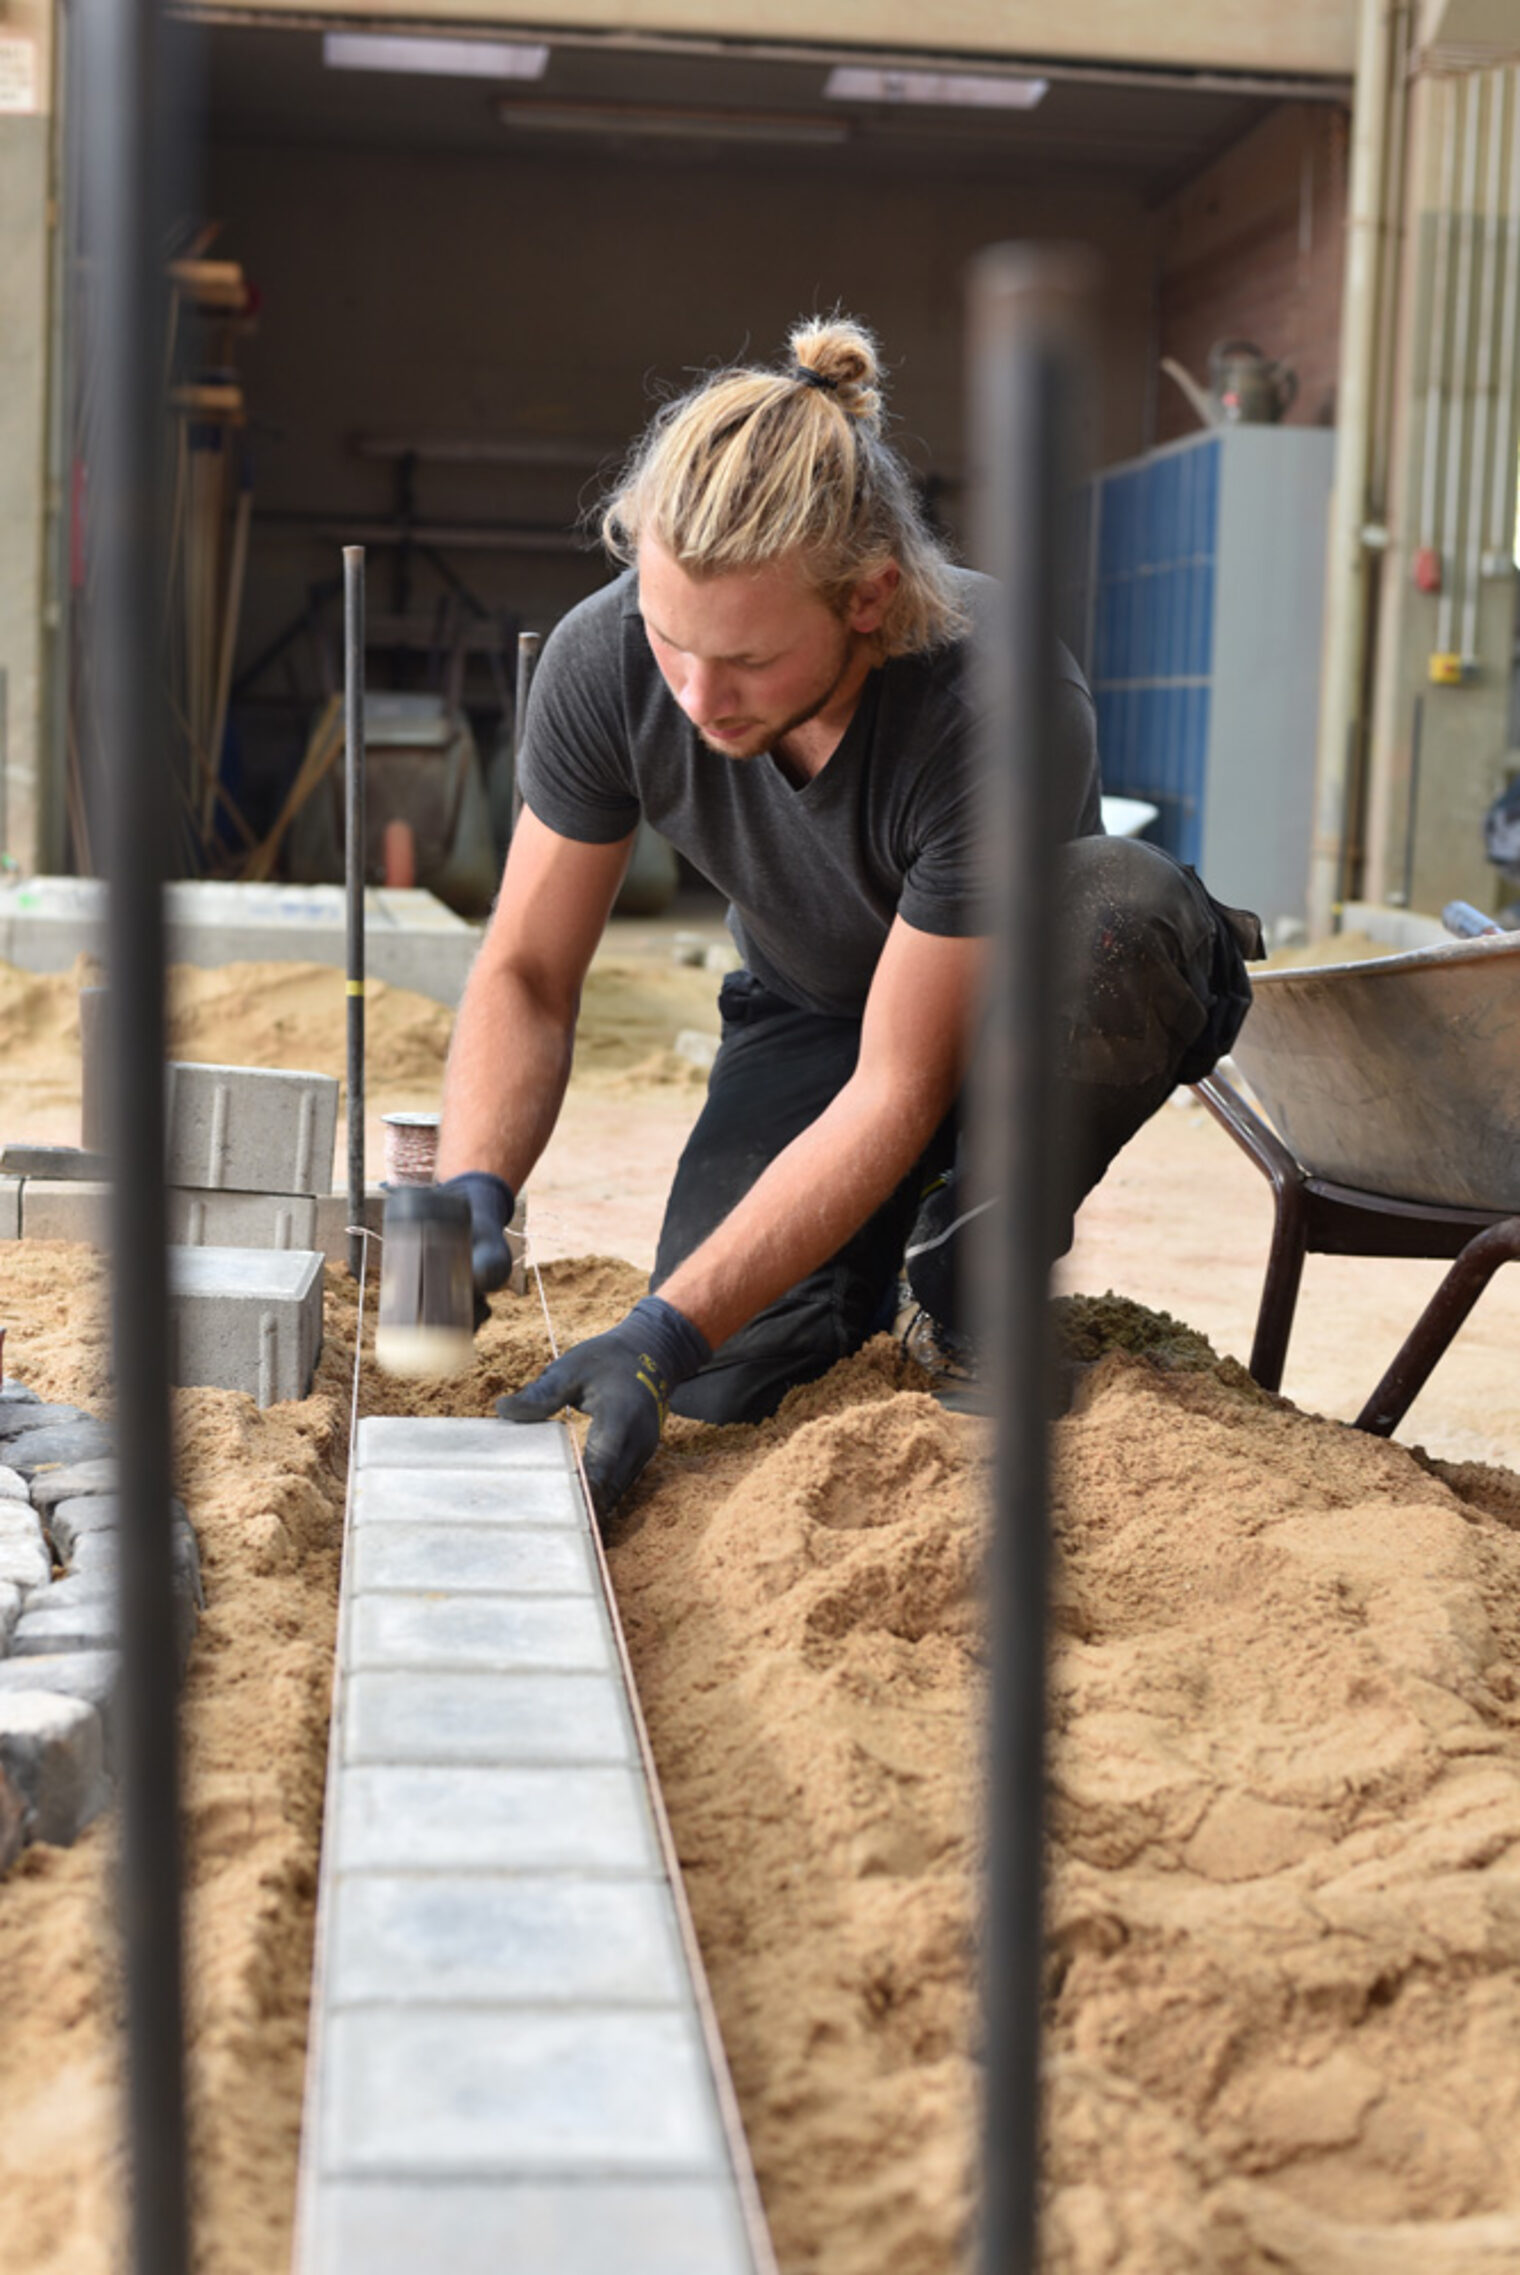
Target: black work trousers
[1151, 991]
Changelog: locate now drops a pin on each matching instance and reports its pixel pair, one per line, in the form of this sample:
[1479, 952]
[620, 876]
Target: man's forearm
[810, 1200]
[509, 1062]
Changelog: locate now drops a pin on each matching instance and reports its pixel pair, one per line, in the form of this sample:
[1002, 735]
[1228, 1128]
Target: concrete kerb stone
[10, 1208]
[246, 1319]
[251, 1129]
[241, 1220]
[65, 1209]
[53, 1750]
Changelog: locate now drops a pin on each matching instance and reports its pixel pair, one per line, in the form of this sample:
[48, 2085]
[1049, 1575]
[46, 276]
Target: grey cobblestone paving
[58, 1610]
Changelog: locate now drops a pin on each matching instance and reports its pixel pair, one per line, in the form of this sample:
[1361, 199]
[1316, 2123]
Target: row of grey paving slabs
[58, 1616]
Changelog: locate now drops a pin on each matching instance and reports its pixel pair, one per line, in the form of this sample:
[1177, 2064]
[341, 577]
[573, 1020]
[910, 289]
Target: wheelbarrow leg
[1279, 1293]
[1437, 1324]
[1290, 1224]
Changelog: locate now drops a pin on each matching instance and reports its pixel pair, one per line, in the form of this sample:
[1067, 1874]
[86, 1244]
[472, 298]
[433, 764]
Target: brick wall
[1253, 248]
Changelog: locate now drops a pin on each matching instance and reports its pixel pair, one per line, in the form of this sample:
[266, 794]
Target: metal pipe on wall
[1461, 346]
[1435, 370]
[1029, 326]
[1477, 477]
[1385, 349]
[1347, 580]
[1501, 527]
[353, 824]
[122, 120]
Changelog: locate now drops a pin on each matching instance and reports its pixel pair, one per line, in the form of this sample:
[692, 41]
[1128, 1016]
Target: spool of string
[411, 1148]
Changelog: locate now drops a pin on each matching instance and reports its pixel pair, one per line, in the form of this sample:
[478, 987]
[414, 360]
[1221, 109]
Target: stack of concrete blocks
[59, 1618]
[250, 1151]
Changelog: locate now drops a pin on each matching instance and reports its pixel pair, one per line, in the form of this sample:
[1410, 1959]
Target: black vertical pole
[124, 116]
[353, 715]
[1026, 309]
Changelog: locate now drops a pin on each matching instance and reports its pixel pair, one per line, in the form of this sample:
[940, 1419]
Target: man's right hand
[491, 1205]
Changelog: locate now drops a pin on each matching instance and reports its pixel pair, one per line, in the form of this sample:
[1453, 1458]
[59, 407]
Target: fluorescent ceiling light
[668, 123]
[963, 90]
[444, 58]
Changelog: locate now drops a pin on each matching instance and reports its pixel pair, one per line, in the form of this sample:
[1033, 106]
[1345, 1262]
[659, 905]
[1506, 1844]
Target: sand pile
[1285, 1903]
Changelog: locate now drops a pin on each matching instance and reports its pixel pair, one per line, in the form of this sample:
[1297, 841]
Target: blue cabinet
[1204, 590]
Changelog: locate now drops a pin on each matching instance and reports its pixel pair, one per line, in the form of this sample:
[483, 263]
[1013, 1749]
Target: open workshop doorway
[471, 287]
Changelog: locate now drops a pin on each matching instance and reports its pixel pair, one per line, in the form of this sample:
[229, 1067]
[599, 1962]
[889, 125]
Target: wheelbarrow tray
[1399, 1075]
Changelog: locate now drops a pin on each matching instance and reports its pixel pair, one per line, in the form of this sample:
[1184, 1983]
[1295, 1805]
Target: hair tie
[805, 372]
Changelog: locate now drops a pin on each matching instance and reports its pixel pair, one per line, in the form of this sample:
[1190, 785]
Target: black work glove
[623, 1380]
[491, 1205]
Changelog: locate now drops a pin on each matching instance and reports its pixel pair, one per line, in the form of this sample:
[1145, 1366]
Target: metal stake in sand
[353, 719]
[123, 136]
[1027, 310]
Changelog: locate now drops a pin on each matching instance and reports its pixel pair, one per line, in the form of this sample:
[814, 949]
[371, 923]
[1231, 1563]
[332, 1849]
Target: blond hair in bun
[754, 464]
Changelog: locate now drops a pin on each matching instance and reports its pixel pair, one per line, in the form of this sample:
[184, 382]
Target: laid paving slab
[55, 1208]
[586, 2228]
[470, 1817]
[12, 1485]
[448, 1631]
[404, 1717]
[493, 1559]
[464, 1496]
[10, 1609]
[406, 1441]
[423, 1937]
[454, 2090]
[92, 1626]
[509, 2066]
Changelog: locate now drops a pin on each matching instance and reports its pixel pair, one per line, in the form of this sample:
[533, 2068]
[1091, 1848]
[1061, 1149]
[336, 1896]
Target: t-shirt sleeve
[942, 887]
[946, 883]
[575, 769]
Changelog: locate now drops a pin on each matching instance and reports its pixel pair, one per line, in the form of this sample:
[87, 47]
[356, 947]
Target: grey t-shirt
[888, 827]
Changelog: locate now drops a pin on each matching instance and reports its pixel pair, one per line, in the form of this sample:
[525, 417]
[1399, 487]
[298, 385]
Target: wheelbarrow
[1392, 1095]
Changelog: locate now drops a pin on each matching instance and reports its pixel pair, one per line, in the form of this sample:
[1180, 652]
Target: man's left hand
[623, 1380]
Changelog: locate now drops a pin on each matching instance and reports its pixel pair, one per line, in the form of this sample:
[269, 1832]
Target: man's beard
[766, 738]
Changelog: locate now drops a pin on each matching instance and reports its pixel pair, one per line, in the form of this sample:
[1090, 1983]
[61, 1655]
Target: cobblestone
[74, 1478]
[53, 1749]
